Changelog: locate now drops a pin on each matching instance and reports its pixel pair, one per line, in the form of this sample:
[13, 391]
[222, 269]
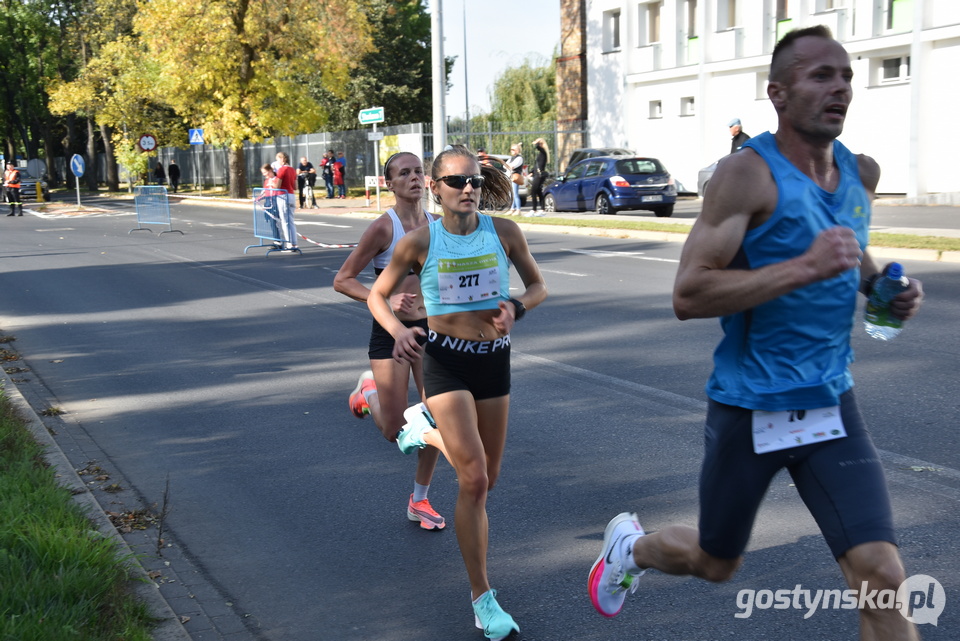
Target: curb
[168, 627]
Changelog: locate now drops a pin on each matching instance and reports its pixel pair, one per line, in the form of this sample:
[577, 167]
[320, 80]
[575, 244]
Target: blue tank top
[464, 273]
[793, 352]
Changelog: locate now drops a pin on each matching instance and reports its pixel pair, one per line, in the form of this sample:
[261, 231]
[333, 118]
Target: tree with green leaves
[525, 93]
[396, 74]
[235, 68]
[31, 38]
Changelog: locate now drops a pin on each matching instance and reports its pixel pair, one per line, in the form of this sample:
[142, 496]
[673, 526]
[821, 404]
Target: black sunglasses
[459, 181]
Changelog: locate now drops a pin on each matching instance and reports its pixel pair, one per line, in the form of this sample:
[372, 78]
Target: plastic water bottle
[878, 321]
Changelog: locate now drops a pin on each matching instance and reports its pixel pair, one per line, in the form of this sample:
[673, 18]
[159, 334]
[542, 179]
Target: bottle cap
[895, 271]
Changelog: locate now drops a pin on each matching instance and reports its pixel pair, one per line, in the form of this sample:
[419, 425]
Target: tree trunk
[236, 158]
[113, 172]
[92, 165]
[49, 147]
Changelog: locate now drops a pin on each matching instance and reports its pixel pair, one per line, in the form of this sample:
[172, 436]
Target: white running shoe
[609, 581]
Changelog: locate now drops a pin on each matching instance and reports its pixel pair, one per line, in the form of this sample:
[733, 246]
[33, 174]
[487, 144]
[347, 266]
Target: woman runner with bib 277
[464, 264]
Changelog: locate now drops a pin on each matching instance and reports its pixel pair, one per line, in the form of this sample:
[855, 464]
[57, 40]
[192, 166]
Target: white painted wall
[909, 127]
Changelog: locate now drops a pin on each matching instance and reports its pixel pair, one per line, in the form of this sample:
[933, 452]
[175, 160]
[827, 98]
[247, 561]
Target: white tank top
[380, 261]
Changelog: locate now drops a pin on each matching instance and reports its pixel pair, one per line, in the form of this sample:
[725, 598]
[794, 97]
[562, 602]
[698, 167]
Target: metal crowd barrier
[266, 218]
[153, 208]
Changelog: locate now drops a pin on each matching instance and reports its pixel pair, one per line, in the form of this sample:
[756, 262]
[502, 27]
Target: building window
[648, 23]
[653, 22]
[611, 30]
[656, 109]
[784, 22]
[829, 5]
[895, 69]
[899, 15]
[783, 10]
[692, 18]
[726, 14]
[687, 106]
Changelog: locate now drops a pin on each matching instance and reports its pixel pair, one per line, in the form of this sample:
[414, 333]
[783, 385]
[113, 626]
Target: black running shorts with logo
[381, 342]
[454, 364]
[840, 481]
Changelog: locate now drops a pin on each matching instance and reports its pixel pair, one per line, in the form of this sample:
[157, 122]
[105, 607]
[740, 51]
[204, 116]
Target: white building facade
[665, 77]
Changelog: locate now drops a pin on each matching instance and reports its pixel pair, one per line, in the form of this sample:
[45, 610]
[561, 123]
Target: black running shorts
[479, 367]
[840, 481]
[381, 342]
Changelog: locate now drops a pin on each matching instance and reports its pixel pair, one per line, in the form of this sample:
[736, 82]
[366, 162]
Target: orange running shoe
[423, 512]
[358, 404]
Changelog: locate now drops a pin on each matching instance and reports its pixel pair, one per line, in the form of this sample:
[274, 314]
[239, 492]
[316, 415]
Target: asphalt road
[214, 382]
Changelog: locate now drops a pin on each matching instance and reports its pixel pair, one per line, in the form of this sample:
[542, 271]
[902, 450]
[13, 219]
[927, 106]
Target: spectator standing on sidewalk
[288, 182]
[326, 170]
[173, 174]
[11, 188]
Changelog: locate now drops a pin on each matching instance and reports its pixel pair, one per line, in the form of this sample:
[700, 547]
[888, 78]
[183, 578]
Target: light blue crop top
[793, 352]
[464, 273]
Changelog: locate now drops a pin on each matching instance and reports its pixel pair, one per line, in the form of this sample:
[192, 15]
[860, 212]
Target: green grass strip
[904, 241]
[59, 577]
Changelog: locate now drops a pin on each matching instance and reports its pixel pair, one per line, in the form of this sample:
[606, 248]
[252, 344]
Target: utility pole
[439, 78]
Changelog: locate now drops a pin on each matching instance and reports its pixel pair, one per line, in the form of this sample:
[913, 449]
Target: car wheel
[604, 206]
[663, 212]
[549, 204]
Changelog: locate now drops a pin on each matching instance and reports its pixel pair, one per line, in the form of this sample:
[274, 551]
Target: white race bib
[774, 431]
[467, 280]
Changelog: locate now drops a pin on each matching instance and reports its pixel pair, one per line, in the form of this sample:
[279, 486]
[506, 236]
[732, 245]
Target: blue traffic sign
[77, 166]
[196, 136]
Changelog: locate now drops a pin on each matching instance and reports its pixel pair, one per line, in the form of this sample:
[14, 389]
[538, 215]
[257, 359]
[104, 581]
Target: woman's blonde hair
[543, 145]
[496, 193]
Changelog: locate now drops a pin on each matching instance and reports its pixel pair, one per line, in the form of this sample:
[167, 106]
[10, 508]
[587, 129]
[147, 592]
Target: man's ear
[777, 93]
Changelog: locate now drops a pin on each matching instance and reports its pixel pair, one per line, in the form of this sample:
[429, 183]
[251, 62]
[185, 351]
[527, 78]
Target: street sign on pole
[147, 142]
[196, 137]
[77, 166]
[371, 116]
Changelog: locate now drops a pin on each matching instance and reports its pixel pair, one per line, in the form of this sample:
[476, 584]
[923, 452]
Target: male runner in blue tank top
[779, 254]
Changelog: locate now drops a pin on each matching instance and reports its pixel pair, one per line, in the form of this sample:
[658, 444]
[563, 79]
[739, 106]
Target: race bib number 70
[774, 431]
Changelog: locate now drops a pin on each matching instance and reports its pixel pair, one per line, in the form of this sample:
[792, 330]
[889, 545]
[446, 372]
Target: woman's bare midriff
[473, 326]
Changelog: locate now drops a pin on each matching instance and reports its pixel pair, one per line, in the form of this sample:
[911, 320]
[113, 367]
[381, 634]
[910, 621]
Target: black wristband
[868, 283]
[520, 309]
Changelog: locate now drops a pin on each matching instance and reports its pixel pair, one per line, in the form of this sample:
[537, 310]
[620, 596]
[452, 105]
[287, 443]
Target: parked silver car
[28, 185]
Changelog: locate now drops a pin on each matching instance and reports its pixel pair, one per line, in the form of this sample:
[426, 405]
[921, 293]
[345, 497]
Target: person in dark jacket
[739, 135]
[539, 174]
[158, 174]
[173, 172]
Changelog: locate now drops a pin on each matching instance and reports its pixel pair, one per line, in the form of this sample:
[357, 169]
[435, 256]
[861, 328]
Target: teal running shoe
[490, 617]
[419, 421]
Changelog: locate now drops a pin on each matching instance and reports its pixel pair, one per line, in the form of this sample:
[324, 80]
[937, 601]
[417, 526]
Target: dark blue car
[609, 184]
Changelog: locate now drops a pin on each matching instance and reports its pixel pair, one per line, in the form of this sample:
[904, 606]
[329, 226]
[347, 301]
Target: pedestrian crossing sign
[196, 137]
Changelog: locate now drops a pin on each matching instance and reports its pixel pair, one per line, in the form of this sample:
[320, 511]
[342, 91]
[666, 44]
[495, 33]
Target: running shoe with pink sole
[358, 404]
[423, 512]
[609, 582]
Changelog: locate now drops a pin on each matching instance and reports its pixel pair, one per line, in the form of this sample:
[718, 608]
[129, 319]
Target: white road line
[557, 271]
[613, 254]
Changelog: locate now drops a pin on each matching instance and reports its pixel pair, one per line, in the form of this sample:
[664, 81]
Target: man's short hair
[781, 62]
